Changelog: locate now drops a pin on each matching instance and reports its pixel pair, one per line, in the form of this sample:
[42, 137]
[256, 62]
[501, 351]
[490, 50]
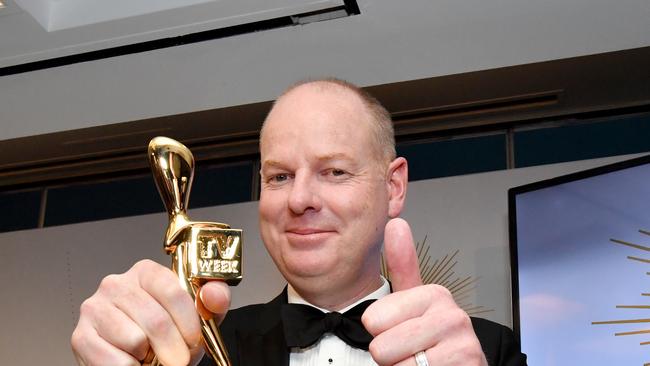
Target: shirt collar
[383, 290]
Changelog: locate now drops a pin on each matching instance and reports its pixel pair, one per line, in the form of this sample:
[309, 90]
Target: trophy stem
[213, 342]
[209, 328]
[211, 337]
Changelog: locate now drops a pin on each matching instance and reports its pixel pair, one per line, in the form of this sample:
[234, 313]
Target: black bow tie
[304, 325]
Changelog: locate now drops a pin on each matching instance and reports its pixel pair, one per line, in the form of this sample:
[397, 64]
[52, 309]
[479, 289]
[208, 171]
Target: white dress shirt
[330, 350]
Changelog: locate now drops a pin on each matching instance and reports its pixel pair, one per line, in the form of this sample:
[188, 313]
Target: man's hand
[145, 308]
[417, 317]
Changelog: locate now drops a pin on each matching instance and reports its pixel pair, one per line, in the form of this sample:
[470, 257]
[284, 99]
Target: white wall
[46, 273]
[390, 41]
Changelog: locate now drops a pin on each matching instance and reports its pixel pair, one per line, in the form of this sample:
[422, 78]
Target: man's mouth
[307, 231]
[308, 236]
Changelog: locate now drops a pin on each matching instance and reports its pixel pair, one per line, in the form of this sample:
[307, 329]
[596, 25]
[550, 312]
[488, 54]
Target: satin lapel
[264, 349]
[268, 346]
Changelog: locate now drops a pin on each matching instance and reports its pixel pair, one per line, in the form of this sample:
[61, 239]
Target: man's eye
[336, 173]
[279, 178]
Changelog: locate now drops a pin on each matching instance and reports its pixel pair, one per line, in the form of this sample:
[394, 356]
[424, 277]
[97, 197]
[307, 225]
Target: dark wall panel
[222, 185]
[138, 196]
[19, 211]
[99, 201]
[626, 135]
[455, 157]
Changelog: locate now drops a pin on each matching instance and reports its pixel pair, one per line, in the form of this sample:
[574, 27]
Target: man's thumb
[399, 254]
[213, 300]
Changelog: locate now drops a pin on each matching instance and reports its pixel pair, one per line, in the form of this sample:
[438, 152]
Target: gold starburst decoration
[441, 272]
[643, 306]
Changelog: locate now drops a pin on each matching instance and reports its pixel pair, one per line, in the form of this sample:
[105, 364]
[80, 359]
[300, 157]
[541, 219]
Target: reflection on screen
[572, 274]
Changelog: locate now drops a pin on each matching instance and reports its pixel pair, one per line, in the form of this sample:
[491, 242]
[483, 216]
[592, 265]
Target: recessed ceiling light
[2, 5]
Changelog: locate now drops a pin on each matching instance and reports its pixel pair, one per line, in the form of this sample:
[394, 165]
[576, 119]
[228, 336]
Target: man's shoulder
[245, 314]
[247, 310]
[490, 333]
[254, 317]
[498, 343]
[488, 326]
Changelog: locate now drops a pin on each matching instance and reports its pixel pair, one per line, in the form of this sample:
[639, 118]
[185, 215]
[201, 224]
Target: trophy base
[213, 252]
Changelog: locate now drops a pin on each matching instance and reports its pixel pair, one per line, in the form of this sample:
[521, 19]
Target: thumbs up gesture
[415, 317]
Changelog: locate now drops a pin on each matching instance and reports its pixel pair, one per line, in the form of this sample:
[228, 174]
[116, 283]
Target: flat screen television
[580, 256]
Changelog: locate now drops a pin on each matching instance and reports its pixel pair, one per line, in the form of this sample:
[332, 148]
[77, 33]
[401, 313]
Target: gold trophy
[200, 251]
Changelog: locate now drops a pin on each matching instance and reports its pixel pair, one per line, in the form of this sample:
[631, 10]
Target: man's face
[324, 195]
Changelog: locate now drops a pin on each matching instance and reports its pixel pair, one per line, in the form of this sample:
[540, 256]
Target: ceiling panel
[78, 29]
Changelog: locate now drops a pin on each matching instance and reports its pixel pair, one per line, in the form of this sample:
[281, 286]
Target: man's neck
[337, 302]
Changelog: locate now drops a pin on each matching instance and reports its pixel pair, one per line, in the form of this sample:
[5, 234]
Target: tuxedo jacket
[254, 336]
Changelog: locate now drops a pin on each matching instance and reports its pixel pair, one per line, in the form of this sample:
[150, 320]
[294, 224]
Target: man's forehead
[332, 120]
[273, 161]
[310, 106]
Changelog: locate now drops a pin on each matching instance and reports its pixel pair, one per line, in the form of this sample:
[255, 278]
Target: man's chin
[309, 267]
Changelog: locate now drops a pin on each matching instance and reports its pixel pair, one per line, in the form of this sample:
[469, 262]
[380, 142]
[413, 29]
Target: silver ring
[421, 359]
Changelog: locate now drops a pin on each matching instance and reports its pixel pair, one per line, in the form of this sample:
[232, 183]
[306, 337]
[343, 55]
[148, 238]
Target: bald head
[377, 117]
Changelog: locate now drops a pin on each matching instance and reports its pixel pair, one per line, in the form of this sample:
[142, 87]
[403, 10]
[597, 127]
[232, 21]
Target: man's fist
[145, 308]
[417, 317]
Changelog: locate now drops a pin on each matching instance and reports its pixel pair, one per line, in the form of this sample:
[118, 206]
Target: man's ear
[397, 180]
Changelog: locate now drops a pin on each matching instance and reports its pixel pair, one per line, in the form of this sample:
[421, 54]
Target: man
[332, 190]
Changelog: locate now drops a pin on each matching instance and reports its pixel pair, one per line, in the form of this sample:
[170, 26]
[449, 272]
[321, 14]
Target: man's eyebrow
[272, 164]
[334, 156]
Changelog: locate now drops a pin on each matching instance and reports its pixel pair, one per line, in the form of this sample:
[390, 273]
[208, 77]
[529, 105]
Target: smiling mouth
[308, 231]
[308, 236]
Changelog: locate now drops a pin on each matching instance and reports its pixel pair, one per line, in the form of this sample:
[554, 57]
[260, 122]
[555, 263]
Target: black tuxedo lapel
[256, 334]
[264, 349]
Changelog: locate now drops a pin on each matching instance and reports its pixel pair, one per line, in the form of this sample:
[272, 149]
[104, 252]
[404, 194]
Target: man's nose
[304, 195]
